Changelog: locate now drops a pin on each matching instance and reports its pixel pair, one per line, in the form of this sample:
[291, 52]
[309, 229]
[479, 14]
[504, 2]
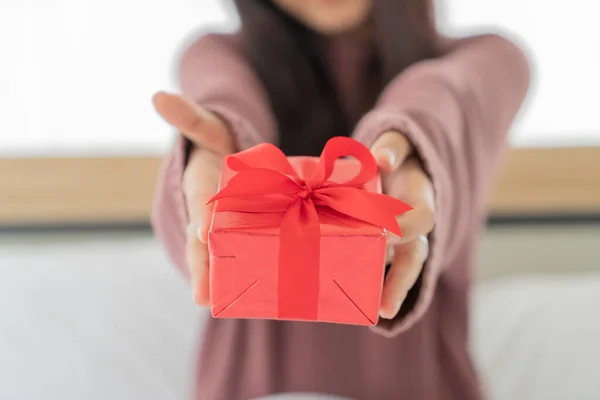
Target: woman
[435, 113]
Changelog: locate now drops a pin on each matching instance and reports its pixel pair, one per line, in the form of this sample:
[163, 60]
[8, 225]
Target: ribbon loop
[339, 147]
[256, 182]
[264, 155]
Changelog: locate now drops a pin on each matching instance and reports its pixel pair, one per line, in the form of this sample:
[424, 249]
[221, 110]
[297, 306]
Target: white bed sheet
[538, 337]
[106, 318]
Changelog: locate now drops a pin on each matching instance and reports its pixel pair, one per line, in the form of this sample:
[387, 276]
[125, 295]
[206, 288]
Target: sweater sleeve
[213, 72]
[456, 110]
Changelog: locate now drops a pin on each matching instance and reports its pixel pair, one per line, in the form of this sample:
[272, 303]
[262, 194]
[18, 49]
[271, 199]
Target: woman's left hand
[404, 179]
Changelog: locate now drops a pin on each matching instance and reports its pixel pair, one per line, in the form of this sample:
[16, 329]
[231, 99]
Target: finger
[418, 221]
[197, 261]
[196, 123]
[411, 184]
[201, 214]
[200, 183]
[390, 150]
[405, 270]
[389, 254]
[206, 221]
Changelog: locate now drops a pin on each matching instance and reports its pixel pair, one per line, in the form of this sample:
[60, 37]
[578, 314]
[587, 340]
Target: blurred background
[89, 306]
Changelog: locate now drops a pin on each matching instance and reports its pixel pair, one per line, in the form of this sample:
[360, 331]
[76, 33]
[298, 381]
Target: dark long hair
[290, 60]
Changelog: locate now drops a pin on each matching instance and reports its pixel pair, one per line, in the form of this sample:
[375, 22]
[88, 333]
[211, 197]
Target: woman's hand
[212, 141]
[405, 179]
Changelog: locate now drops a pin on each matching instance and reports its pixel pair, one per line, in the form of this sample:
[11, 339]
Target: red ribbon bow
[264, 171]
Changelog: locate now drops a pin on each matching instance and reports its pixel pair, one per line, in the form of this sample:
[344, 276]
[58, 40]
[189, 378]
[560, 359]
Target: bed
[103, 316]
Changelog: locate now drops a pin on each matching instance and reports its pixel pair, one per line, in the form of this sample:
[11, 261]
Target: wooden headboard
[560, 181]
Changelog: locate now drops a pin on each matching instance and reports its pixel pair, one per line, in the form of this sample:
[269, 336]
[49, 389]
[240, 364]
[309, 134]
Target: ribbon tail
[373, 208]
[339, 147]
[299, 259]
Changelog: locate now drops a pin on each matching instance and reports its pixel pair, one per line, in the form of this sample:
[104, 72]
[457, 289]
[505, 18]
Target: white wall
[564, 39]
[76, 76]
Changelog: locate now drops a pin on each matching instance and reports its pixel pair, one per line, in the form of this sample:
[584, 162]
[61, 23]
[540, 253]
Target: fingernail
[196, 293]
[203, 235]
[192, 229]
[196, 296]
[389, 155]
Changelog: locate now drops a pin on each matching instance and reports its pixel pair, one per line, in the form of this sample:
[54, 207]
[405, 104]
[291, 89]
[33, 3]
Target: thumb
[199, 125]
[390, 150]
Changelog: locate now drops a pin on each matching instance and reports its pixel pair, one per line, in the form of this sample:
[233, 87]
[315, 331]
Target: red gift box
[300, 238]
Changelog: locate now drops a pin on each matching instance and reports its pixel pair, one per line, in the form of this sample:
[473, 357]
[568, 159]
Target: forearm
[456, 111]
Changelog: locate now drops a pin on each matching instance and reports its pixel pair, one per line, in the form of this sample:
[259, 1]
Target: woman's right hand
[212, 141]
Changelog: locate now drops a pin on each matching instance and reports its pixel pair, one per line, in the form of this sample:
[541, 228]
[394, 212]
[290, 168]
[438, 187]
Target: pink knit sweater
[456, 110]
